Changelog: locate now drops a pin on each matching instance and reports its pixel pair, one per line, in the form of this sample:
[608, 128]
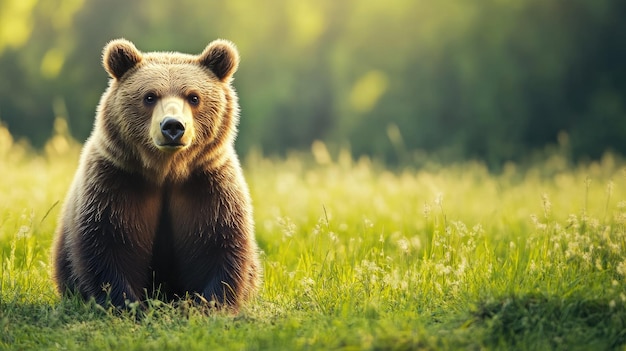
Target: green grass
[357, 257]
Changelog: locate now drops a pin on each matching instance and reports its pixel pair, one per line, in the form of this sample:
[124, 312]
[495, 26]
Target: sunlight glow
[15, 22]
[367, 90]
[52, 63]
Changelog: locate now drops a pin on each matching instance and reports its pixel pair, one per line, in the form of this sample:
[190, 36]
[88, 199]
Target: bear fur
[159, 207]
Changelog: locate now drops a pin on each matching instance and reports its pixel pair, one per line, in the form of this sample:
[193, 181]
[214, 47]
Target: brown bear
[159, 206]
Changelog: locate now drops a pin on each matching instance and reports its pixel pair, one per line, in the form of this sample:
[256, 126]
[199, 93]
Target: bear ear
[221, 57]
[119, 56]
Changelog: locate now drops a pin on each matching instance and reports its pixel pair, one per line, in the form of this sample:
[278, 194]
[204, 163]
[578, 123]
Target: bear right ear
[221, 57]
[119, 56]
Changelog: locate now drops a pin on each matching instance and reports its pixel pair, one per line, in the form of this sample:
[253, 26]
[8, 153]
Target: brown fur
[144, 215]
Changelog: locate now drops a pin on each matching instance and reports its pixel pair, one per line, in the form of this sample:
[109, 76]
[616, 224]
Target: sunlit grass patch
[357, 256]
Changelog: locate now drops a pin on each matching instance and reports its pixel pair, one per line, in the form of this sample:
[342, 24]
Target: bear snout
[172, 130]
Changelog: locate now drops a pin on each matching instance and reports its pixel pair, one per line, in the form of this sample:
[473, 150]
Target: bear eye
[150, 99]
[193, 99]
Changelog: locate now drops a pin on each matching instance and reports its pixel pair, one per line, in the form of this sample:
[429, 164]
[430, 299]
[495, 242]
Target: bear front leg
[109, 231]
[227, 284]
[217, 274]
[213, 236]
[111, 265]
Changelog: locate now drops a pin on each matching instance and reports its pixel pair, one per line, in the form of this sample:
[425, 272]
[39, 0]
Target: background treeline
[491, 79]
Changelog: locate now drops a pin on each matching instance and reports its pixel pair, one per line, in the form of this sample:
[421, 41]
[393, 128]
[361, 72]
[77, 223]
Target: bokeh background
[494, 80]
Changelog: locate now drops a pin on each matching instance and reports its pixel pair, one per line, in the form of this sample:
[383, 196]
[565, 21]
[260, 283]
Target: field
[357, 257]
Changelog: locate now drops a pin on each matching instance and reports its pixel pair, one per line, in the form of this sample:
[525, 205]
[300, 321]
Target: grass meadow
[356, 257]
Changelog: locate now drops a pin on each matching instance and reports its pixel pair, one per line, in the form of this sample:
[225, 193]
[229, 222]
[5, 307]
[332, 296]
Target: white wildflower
[289, 228]
[621, 268]
[599, 264]
[586, 256]
[404, 245]
[333, 237]
[443, 269]
[609, 188]
[426, 211]
[461, 268]
[477, 230]
[23, 232]
[538, 225]
[439, 200]
[307, 284]
[532, 267]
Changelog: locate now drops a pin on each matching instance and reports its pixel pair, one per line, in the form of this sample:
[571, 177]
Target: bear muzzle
[172, 124]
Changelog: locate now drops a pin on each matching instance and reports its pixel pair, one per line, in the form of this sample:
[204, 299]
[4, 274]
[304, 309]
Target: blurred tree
[490, 79]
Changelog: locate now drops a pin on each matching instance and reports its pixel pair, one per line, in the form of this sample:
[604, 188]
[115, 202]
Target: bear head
[165, 114]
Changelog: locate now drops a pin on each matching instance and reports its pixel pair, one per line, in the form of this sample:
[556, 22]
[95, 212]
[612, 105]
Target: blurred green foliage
[490, 79]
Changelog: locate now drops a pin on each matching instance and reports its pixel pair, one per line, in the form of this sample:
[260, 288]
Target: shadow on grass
[66, 311]
[27, 323]
[531, 321]
[73, 323]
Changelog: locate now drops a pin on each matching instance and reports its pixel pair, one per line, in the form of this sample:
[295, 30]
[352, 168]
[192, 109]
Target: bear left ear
[221, 57]
[119, 56]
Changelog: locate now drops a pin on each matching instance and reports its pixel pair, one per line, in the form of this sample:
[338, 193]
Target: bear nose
[172, 129]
